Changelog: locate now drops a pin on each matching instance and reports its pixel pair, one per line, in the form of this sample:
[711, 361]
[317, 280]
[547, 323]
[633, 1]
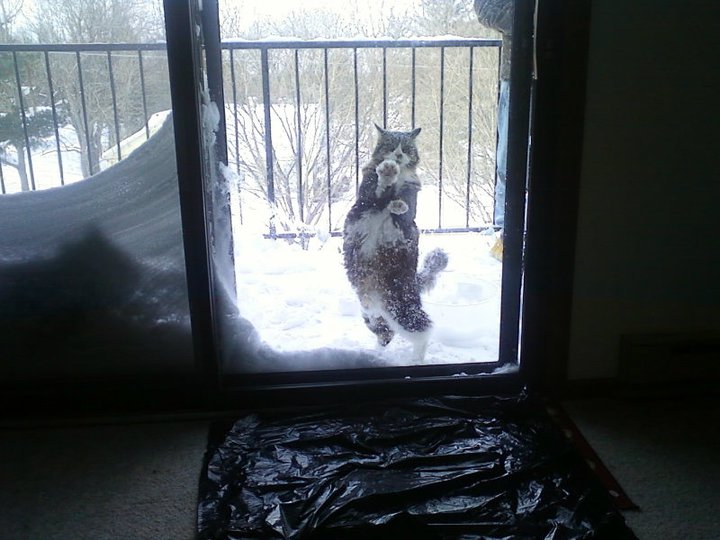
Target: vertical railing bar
[24, 120]
[442, 119]
[235, 113]
[357, 121]
[469, 144]
[2, 180]
[384, 72]
[144, 96]
[301, 198]
[51, 91]
[235, 123]
[115, 108]
[84, 112]
[414, 89]
[265, 68]
[327, 137]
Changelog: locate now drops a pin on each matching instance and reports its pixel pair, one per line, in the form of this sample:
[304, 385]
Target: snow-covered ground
[300, 300]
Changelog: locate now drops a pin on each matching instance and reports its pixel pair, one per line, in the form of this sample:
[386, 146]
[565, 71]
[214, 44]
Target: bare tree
[24, 120]
[9, 12]
[91, 107]
[465, 172]
[313, 145]
[468, 104]
[459, 110]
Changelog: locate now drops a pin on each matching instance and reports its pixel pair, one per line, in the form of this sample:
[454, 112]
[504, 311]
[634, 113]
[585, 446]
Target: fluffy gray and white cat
[380, 244]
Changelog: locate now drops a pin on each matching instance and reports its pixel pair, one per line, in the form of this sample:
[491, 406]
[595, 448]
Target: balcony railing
[299, 120]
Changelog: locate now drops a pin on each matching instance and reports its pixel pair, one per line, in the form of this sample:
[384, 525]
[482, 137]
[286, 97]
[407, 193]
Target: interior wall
[647, 258]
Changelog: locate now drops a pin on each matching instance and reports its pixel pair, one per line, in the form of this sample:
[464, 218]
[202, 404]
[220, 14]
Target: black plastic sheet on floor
[441, 468]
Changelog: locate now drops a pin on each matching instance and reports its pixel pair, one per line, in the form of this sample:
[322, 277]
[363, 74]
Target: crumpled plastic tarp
[443, 467]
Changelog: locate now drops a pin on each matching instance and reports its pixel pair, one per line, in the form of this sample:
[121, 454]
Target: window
[92, 267]
[279, 131]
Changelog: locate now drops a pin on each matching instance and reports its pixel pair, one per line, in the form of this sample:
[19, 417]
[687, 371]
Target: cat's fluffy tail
[434, 263]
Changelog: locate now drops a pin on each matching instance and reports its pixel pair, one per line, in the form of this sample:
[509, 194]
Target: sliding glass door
[361, 211]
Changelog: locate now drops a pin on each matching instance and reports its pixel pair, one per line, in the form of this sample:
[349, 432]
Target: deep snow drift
[92, 277]
[92, 274]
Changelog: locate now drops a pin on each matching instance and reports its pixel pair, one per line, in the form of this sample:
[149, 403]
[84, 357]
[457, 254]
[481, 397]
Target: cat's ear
[415, 132]
[381, 131]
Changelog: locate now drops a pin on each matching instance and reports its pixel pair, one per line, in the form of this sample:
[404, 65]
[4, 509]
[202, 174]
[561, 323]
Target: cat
[380, 244]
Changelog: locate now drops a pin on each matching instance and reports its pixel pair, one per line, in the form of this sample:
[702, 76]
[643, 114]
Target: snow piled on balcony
[300, 300]
[295, 308]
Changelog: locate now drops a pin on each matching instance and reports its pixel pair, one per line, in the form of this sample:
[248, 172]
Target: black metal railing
[46, 94]
[299, 116]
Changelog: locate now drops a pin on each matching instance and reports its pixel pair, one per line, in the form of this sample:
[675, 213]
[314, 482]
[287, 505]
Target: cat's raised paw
[388, 169]
[398, 206]
[387, 173]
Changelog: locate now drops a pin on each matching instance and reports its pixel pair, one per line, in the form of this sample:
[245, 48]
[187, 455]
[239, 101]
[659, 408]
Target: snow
[295, 307]
[92, 277]
[270, 38]
[130, 143]
[300, 300]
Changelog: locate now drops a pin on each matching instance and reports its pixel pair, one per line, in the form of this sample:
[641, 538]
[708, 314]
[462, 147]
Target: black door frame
[562, 31]
[542, 246]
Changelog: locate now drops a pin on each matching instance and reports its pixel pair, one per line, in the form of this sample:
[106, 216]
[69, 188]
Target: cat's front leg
[387, 173]
[398, 206]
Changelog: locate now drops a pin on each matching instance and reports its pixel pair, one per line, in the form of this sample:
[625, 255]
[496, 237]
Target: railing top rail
[260, 44]
[81, 47]
[358, 43]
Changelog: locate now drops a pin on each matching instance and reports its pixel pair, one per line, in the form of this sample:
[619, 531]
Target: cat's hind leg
[414, 324]
[380, 328]
[420, 341]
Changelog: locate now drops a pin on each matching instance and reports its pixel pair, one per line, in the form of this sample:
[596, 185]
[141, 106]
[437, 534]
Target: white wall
[648, 256]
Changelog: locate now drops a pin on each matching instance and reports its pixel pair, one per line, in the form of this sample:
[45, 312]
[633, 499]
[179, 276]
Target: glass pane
[333, 267]
[92, 272]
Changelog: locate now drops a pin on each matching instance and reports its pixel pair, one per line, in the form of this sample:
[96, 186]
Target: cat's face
[398, 146]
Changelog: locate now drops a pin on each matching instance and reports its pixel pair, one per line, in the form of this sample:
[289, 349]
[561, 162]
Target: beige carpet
[139, 481]
[666, 455]
[104, 482]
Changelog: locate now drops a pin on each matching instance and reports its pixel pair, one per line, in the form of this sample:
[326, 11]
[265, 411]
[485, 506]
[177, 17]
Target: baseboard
[140, 394]
[588, 388]
[617, 388]
[670, 358]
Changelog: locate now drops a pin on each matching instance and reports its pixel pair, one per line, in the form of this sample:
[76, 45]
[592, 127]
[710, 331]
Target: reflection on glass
[92, 272]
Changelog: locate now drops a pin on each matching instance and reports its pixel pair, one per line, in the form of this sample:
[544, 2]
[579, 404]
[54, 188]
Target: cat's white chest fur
[375, 229]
